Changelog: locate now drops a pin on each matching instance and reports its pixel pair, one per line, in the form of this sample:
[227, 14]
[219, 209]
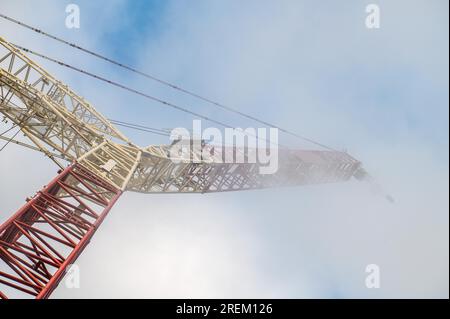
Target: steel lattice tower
[98, 163]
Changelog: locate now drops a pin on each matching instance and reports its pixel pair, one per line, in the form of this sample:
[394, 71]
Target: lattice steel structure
[97, 164]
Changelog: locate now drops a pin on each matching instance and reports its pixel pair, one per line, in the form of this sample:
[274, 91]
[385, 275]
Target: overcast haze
[309, 66]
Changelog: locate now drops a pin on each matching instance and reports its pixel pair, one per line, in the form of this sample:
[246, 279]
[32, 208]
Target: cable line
[140, 128]
[129, 89]
[173, 86]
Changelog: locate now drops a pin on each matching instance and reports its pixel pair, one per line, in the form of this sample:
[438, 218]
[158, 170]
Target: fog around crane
[380, 94]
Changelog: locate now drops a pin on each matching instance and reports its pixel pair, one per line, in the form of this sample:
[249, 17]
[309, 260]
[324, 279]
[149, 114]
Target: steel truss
[49, 232]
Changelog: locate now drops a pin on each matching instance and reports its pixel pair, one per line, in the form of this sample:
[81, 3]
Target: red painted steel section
[50, 231]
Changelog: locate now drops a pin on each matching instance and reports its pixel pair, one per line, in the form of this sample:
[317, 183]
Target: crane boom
[98, 163]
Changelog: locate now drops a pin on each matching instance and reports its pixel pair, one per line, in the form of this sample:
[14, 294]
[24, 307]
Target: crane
[97, 164]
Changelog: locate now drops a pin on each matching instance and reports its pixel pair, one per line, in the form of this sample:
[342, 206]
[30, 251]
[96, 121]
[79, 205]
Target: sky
[309, 66]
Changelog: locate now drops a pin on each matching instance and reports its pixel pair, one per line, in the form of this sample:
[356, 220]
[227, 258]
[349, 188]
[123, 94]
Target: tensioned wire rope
[163, 82]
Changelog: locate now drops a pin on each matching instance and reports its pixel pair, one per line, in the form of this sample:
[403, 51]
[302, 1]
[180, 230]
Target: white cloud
[312, 67]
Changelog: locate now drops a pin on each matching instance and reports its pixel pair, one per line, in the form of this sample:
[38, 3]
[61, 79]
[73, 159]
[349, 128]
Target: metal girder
[58, 121]
[159, 173]
[30, 75]
[46, 123]
[113, 162]
[50, 231]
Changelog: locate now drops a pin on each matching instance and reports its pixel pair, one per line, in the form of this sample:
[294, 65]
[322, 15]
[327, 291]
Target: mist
[312, 67]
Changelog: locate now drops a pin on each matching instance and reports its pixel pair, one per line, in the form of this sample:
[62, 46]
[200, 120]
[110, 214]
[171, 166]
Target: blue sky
[395, 88]
[139, 19]
[312, 67]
